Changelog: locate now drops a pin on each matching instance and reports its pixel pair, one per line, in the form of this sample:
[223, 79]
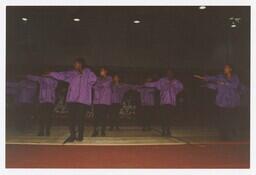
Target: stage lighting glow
[76, 19]
[136, 21]
[233, 26]
[234, 21]
[24, 19]
[202, 7]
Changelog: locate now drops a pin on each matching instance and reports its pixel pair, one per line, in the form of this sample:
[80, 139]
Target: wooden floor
[125, 136]
[130, 147]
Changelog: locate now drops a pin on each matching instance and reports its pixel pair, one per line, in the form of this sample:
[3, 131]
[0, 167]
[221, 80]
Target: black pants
[147, 113]
[45, 118]
[166, 113]
[114, 115]
[100, 116]
[23, 116]
[77, 112]
[228, 123]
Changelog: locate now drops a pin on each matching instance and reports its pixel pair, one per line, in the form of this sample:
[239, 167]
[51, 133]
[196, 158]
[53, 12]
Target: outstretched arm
[212, 81]
[64, 76]
[155, 84]
[103, 83]
[207, 78]
[199, 77]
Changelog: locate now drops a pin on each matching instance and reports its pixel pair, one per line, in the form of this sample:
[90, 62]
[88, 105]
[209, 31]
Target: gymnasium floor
[128, 148]
[126, 135]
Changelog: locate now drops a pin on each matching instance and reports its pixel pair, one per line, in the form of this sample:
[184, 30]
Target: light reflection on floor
[125, 136]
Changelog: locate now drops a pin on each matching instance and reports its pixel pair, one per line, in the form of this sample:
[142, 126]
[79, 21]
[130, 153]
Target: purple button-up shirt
[228, 93]
[23, 91]
[80, 85]
[47, 88]
[102, 91]
[147, 96]
[118, 91]
[168, 90]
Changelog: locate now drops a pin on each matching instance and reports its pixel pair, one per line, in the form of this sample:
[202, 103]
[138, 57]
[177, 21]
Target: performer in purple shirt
[46, 102]
[169, 88]
[24, 96]
[147, 102]
[101, 101]
[227, 100]
[118, 91]
[26, 92]
[79, 95]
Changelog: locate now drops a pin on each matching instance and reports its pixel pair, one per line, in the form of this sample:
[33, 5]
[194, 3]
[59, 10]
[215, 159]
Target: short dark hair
[116, 74]
[81, 61]
[104, 68]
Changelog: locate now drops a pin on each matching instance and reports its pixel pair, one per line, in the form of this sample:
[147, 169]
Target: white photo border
[4, 3]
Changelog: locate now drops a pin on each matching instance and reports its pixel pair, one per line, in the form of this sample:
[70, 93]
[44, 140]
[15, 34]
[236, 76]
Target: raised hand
[199, 77]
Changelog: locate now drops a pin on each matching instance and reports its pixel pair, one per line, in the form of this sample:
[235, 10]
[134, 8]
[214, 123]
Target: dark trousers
[45, 118]
[114, 115]
[228, 123]
[77, 112]
[147, 113]
[166, 113]
[100, 116]
[23, 116]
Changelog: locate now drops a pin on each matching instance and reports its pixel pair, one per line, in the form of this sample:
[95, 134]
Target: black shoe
[70, 139]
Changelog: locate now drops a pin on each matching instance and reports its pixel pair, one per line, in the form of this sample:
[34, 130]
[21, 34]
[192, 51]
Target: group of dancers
[106, 93]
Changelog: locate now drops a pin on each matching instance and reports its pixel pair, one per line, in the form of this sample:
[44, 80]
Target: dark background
[186, 38]
[190, 40]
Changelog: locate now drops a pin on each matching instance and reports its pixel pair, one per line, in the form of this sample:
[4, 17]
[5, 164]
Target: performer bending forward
[169, 88]
[227, 100]
[79, 95]
[101, 101]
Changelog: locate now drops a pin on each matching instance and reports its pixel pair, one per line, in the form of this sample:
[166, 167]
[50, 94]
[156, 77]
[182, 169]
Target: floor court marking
[180, 141]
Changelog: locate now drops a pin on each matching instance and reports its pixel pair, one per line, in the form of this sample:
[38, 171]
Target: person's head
[79, 64]
[169, 73]
[116, 78]
[227, 69]
[103, 72]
